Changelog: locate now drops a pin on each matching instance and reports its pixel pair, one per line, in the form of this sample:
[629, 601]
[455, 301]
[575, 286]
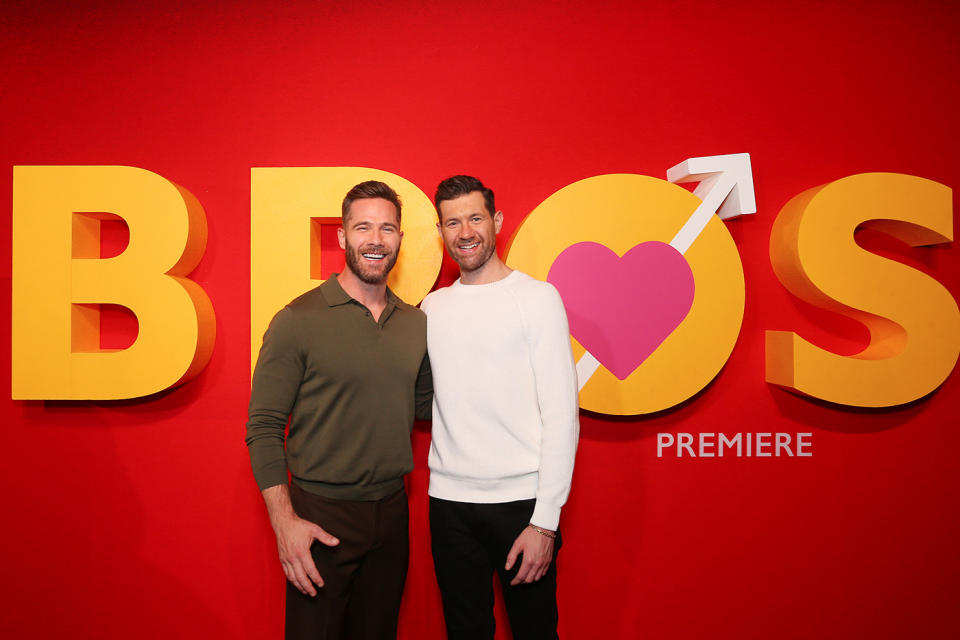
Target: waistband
[351, 491]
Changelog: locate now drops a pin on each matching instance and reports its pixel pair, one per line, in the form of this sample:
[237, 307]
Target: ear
[341, 238]
[498, 221]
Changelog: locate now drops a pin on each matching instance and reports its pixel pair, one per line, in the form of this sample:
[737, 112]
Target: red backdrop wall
[140, 518]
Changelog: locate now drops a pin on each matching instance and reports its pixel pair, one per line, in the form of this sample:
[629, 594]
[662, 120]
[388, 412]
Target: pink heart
[622, 309]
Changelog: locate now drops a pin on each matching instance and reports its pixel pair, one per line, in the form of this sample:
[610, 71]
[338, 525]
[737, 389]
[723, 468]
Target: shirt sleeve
[276, 382]
[556, 381]
[423, 393]
[424, 388]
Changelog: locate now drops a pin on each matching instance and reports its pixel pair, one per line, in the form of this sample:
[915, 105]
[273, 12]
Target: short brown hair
[369, 189]
[456, 186]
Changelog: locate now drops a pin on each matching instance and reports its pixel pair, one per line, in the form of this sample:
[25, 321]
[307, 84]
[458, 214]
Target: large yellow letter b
[59, 281]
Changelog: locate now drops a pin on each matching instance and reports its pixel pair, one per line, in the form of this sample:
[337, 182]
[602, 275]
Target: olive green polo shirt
[350, 387]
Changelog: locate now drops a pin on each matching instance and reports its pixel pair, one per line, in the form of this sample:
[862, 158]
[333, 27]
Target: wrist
[544, 532]
[282, 518]
[279, 508]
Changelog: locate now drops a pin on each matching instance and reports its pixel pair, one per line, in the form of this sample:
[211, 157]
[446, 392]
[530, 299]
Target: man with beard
[346, 364]
[505, 427]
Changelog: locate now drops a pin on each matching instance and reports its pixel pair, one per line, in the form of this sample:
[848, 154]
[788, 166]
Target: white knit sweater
[505, 417]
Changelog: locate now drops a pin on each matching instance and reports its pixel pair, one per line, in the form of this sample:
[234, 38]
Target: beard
[375, 273]
[475, 261]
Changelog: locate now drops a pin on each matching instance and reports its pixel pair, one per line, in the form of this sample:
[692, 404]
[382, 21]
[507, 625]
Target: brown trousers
[363, 575]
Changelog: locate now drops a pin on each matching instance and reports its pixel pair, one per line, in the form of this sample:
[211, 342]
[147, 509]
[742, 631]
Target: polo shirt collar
[333, 293]
[335, 296]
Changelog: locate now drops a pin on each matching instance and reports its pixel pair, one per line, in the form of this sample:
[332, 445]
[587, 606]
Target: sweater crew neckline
[487, 285]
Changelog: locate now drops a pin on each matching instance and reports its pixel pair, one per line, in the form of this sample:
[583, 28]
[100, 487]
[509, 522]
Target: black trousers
[470, 542]
[363, 575]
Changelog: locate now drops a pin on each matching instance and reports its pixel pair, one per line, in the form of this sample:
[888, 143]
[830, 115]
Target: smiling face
[469, 231]
[371, 238]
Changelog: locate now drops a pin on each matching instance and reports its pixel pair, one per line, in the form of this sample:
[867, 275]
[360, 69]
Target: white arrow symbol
[725, 189]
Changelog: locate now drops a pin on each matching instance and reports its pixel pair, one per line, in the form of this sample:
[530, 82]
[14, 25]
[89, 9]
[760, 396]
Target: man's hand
[537, 551]
[294, 537]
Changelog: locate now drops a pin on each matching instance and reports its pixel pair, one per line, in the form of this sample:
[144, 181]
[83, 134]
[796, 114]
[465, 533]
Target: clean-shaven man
[505, 426]
[347, 364]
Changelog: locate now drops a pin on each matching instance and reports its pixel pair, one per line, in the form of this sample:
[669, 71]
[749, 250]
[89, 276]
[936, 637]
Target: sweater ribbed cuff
[545, 516]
